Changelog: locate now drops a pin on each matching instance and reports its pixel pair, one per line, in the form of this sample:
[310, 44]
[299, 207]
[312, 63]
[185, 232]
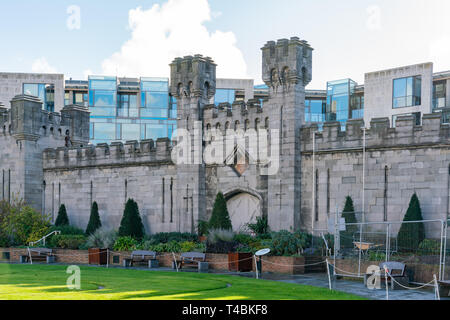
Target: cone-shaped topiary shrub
[220, 218]
[411, 234]
[349, 215]
[131, 224]
[62, 219]
[94, 220]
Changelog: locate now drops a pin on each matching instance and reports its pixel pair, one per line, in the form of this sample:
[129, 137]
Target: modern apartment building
[124, 109]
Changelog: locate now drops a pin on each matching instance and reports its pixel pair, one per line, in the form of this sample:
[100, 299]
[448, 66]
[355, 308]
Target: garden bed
[218, 262]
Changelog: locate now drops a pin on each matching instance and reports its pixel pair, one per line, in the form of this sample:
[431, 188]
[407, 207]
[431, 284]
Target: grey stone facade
[39, 166]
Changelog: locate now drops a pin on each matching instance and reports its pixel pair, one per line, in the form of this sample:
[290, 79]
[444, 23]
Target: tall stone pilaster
[287, 69]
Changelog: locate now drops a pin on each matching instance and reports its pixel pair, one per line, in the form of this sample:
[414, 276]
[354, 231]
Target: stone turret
[193, 83]
[286, 70]
[27, 131]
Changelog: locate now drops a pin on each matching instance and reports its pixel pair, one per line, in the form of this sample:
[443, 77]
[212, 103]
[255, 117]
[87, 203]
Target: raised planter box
[240, 262]
[98, 256]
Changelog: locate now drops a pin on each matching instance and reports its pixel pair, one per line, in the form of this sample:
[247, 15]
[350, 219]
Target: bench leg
[203, 267]
[152, 264]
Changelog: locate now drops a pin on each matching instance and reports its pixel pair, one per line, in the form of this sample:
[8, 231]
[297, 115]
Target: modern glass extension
[342, 102]
[45, 92]
[130, 109]
[407, 92]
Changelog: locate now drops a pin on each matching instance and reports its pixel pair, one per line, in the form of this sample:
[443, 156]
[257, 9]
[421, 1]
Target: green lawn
[45, 282]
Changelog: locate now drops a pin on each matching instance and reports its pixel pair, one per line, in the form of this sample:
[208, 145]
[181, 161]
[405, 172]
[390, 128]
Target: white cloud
[174, 29]
[87, 73]
[41, 65]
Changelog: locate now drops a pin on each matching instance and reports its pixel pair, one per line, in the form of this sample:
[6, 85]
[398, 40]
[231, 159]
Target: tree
[349, 215]
[94, 220]
[220, 218]
[131, 224]
[411, 234]
[62, 219]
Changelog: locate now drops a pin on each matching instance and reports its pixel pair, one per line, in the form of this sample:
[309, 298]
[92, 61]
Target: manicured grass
[45, 282]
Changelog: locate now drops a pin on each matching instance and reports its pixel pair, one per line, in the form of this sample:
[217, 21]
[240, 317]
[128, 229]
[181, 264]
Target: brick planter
[98, 256]
[240, 261]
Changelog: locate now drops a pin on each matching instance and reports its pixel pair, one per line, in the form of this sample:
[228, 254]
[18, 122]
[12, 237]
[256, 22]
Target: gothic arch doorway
[244, 207]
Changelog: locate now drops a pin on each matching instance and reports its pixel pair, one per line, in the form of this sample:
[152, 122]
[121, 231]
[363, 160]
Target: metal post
[329, 276]
[314, 183]
[360, 251]
[445, 250]
[441, 251]
[107, 258]
[256, 267]
[386, 281]
[336, 238]
[436, 292]
[388, 244]
[364, 178]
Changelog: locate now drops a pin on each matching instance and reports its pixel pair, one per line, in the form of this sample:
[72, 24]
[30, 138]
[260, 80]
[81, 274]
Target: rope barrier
[293, 265]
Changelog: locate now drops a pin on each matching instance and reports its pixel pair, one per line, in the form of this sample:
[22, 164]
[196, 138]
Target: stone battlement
[116, 154]
[228, 115]
[380, 134]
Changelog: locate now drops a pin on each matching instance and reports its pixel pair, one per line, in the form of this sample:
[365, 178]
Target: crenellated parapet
[27, 121]
[239, 115]
[380, 135]
[117, 154]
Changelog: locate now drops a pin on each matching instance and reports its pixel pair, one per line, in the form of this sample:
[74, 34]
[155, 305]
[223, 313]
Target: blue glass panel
[155, 131]
[156, 100]
[105, 98]
[154, 113]
[103, 111]
[104, 131]
[130, 131]
[103, 85]
[155, 86]
[399, 88]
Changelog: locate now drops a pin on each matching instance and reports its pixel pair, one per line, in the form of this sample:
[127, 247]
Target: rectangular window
[439, 94]
[104, 131]
[224, 95]
[407, 92]
[66, 98]
[45, 92]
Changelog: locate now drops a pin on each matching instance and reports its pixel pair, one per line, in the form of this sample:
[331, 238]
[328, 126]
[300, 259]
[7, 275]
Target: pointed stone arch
[244, 206]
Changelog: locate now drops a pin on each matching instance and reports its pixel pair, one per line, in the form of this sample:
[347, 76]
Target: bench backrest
[394, 268]
[196, 256]
[43, 251]
[143, 254]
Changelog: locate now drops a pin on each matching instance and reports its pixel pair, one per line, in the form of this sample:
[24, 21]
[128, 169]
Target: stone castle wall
[399, 161]
[110, 175]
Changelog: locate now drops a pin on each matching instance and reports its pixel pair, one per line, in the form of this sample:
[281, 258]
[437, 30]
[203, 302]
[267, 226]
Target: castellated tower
[286, 69]
[193, 83]
[26, 131]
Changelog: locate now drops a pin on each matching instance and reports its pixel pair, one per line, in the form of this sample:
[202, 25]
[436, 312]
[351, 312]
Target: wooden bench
[147, 257]
[38, 255]
[397, 271]
[193, 259]
[444, 289]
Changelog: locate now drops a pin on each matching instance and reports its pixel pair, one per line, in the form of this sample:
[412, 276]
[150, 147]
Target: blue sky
[350, 37]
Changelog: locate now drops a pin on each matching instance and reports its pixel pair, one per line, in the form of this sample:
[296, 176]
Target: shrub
[220, 218]
[244, 239]
[62, 219]
[411, 234]
[24, 224]
[221, 241]
[94, 220]
[430, 247]
[284, 243]
[125, 244]
[188, 246]
[261, 227]
[165, 237]
[131, 224]
[377, 256]
[202, 228]
[102, 238]
[73, 242]
[349, 215]
[216, 235]
[67, 230]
